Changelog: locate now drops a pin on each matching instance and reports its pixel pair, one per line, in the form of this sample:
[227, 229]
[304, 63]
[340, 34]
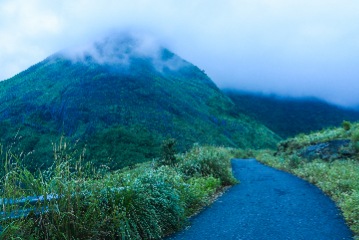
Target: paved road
[269, 205]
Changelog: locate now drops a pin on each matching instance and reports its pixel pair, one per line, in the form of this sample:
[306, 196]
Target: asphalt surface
[268, 204]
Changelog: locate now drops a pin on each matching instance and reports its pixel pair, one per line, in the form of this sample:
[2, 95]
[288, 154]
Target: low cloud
[121, 48]
[295, 48]
[115, 48]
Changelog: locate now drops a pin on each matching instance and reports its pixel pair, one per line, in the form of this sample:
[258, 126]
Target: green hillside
[290, 116]
[119, 100]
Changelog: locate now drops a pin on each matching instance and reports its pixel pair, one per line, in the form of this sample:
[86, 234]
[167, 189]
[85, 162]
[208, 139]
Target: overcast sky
[287, 47]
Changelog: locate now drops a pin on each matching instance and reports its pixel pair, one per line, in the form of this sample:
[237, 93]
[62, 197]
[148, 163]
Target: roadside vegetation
[146, 201]
[337, 176]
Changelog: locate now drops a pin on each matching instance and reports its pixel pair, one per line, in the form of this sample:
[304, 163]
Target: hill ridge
[289, 116]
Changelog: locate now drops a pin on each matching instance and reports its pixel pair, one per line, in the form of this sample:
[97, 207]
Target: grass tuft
[82, 202]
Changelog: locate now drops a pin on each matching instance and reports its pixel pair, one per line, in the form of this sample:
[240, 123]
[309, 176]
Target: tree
[168, 150]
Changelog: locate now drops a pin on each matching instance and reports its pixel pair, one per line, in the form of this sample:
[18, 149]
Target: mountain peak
[123, 50]
[120, 97]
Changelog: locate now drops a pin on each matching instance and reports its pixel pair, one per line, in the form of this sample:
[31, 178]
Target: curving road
[268, 204]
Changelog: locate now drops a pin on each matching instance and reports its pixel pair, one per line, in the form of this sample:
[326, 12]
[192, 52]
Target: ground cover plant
[338, 177]
[146, 201]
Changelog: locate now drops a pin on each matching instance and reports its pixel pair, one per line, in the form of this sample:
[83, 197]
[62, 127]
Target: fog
[119, 49]
[291, 48]
[116, 47]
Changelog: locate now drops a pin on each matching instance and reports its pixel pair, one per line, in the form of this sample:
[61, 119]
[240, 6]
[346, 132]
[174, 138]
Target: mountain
[119, 98]
[290, 116]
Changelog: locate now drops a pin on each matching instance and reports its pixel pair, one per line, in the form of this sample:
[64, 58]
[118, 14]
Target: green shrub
[147, 207]
[142, 202]
[350, 208]
[294, 161]
[168, 149]
[346, 125]
[205, 186]
[207, 161]
[355, 140]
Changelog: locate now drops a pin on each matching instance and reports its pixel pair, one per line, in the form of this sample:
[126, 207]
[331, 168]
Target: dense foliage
[147, 201]
[291, 116]
[337, 176]
[124, 102]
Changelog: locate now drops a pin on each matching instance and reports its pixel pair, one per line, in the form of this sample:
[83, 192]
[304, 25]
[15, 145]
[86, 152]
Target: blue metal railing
[24, 205]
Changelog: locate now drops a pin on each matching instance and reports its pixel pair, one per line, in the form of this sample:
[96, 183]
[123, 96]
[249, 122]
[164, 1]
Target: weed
[80, 202]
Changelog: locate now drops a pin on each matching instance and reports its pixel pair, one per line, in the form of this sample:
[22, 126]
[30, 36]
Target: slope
[290, 116]
[119, 97]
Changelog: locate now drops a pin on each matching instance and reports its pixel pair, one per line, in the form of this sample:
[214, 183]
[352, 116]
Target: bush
[138, 203]
[355, 140]
[168, 149]
[207, 161]
[126, 207]
[294, 161]
[346, 125]
[350, 208]
[205, 186]
[146, 207]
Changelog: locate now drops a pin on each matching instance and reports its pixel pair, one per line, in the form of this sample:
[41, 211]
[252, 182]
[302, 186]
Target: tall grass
[80, 202]
[208, 161]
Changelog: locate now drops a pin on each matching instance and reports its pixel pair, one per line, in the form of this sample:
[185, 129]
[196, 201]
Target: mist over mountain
[119, 97]
[288, 116]
[294, 48]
